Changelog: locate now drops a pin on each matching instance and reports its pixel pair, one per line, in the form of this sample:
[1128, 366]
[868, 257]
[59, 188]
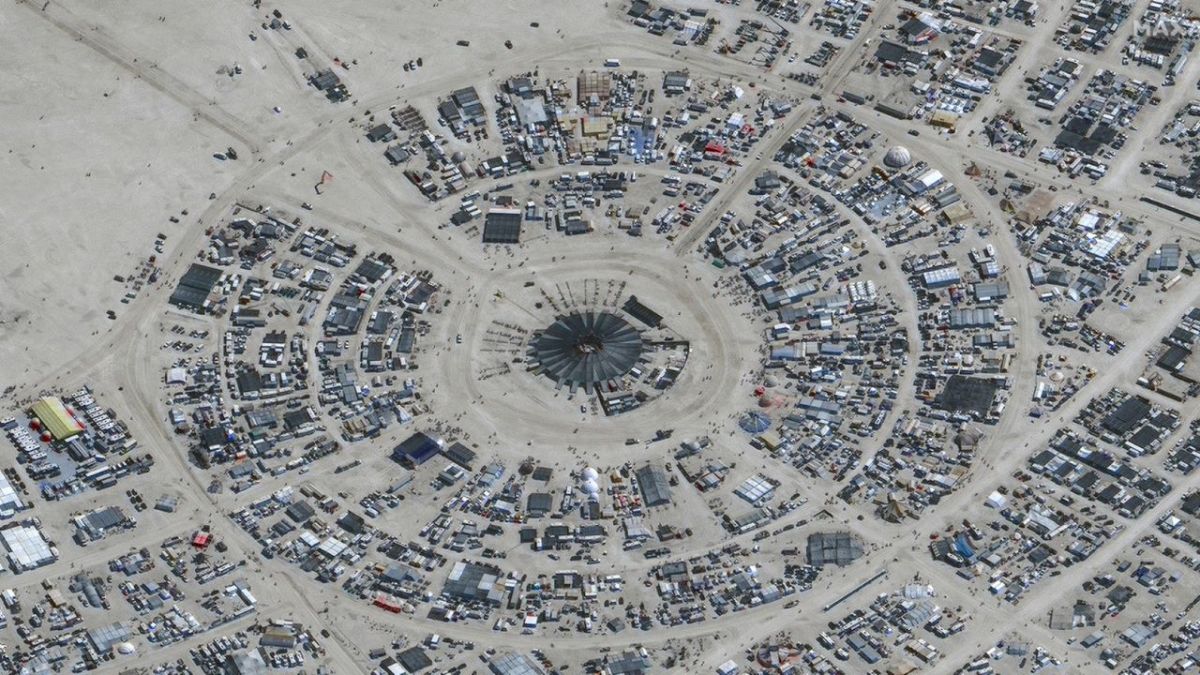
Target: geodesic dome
[898, 157]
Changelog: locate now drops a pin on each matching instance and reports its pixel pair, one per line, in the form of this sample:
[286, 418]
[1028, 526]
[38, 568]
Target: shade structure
[586, 348]
[57, 420]
[754, 422]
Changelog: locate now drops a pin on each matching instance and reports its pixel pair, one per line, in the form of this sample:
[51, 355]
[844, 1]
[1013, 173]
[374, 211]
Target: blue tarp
[963, 548]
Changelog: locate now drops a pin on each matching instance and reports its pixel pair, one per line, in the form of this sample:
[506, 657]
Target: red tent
[388, 604]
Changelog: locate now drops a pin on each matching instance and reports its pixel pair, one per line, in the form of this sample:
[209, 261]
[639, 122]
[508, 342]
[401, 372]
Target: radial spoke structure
[586, 348]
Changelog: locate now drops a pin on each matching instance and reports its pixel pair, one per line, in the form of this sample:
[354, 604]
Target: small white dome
[898, 157]
[126, 648]
[590, 487]
[590, 474]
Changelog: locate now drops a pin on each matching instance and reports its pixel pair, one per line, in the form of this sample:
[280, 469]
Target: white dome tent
[589, 484]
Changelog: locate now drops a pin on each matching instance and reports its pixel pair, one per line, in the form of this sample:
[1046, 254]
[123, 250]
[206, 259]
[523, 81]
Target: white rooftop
[27, 549]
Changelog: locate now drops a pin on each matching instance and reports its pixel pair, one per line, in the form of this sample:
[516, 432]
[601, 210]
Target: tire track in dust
[162, 81]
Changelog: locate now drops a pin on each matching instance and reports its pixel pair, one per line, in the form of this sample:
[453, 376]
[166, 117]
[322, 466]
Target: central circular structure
[585, 348]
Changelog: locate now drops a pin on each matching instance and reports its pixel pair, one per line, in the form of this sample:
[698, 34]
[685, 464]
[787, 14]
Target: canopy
[51, 412]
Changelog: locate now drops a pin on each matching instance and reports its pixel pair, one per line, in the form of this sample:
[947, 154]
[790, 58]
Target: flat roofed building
[278, 637]
[598, 84]
[194, 287]
[467, 100]
[98, 522]
[972, 317]
[414, 659]
[530, 111]
[325, 80]
[513, 663]
[839, 548]
[10, 501]
[460, 455]
[675, 82]
[967, 394]
[381, 132]
[654, 484]
[246, 663]
[300, 511]
[1126, 416]
[105, 638]
[396, 154]
[628, 662]
[416, 449]
[756, 489]
[502, 226]
[474, 582]
[27, 548]
[941, 277]
[538, 504]
[996, 290]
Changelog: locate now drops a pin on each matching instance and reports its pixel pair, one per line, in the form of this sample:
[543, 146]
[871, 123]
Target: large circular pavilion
[586, 348]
